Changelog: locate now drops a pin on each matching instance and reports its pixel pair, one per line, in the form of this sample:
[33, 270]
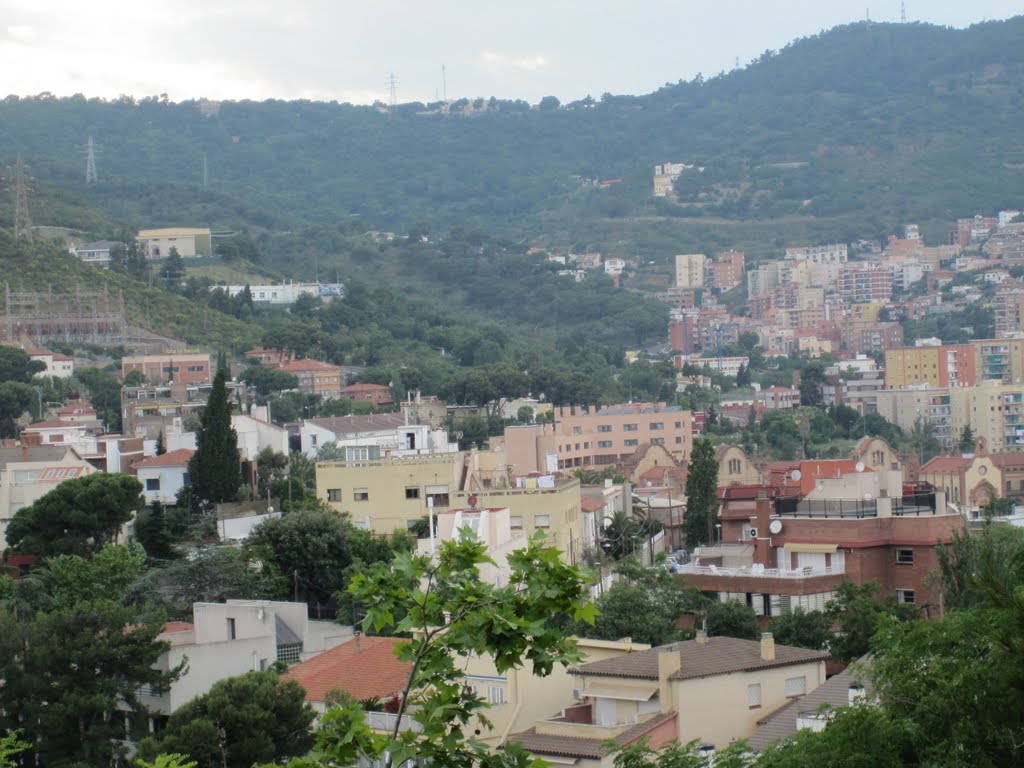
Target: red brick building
[378, 394]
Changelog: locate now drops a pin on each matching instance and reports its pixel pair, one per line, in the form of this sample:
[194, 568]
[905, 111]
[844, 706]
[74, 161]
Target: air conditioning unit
[577, 694]
[752, 533]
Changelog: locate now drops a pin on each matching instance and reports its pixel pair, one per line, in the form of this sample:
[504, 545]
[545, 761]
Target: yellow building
[1001, 359]
[190, 242]
[912, 365]
[383, 495]
[866, 311]
[735, 467]
[993, 410]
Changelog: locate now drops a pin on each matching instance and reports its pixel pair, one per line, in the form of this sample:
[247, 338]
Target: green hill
[852, 132]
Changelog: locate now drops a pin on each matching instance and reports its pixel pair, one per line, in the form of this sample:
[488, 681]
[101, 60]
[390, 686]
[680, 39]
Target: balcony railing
[755, 571]
[384, 722]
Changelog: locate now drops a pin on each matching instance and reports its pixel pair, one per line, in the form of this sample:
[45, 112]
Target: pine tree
[161, 447]
[215, 470]
[701, 494]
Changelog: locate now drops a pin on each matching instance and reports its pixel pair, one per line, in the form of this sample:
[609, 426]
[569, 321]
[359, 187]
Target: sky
[346, 50]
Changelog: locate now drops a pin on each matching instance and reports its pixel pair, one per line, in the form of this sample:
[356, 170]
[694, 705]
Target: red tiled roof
[365, 667]
[178, 458]
[178, 626]
[590, 504]
[308, 365]
[574, 746]
[946, 465]
[54, 424]
[365, 388]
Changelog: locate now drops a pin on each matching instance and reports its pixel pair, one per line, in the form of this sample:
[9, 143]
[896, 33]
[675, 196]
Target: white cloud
[499, 63]
[21, 32]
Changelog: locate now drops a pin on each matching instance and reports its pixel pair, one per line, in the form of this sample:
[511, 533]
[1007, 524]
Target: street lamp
[718, 532]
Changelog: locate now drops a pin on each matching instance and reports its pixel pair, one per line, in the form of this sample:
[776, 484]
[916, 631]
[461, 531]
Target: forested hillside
[842, 135]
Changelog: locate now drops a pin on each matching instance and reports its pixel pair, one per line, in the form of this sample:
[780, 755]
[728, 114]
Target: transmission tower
[22, 222]
[392, 83]
[903, 13]
[206, 178]
[90, 163]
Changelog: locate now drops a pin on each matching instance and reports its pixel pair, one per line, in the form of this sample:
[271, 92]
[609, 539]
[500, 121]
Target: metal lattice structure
[90, 163]
[22, 221]
[94, 317]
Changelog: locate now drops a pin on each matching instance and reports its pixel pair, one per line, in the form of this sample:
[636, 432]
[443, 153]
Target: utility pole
[22, 221]
[90, 163]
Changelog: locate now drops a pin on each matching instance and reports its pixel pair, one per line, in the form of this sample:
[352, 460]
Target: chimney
[767, 646]
[669, 662]
[701, 637]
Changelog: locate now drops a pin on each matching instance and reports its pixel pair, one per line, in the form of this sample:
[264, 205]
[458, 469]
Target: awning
[619, 692]
[816, 549]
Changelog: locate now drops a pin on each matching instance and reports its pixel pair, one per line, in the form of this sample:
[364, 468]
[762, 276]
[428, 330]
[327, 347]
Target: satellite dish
[775, 526]
[796, 474]
[859, 466]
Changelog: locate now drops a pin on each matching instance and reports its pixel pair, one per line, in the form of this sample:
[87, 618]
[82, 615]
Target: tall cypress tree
[701, 494]
[215, 470]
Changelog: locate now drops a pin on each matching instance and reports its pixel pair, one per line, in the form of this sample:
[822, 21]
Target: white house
[57, 366]
[255, 434]
[380, 434]
[97, 254]
[285, 293]
[164, 475]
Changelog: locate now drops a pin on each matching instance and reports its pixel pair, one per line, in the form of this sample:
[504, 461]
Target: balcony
[759, 571]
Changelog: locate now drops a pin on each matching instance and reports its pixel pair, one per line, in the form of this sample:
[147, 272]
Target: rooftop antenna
[22, 221]
[90, 163]
[392, 83]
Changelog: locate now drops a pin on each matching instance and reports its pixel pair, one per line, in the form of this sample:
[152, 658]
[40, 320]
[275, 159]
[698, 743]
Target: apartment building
[726, 272]
[942, 366]
[602, 436]
[1001, 359]
[872, 338]
[373, 435]
[865, 283]
[994, 411]
[183, 367]
[315, 377]
[903, 407]
[829, 253]
[690, 270]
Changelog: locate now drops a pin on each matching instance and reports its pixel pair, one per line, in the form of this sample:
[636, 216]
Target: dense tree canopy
[215, 470]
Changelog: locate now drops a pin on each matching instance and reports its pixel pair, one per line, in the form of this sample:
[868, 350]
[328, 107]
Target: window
[412, 492]
[577, 430]
[542, 521]
[905, 556]
[754, 695]
[361, 494]
[905, 596]
[631, 443]
[734, 466]
[796, 686]
[495, 694]
[231, 629]
[679, 425]
[515, 522]
[334, 494]
[604, 443]
[604, 427]
[629, 427]
[679, 441]
[656, 425]
[152, 483]
[657, 441]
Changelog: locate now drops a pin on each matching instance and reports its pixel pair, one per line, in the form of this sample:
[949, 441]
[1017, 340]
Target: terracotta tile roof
[590, 504]
[365, 388]
[718, 656]
[365, 667]
[570, 746]
[348, 425]
[178, 458]
[835, 692]
[946, 465]
[308, 365]
[1007, 460]
[178, 626]
[53, 424]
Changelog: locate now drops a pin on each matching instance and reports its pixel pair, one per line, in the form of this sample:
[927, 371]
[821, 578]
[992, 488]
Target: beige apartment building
[384, 495]
[608, 434]
[690, 270]
[189, 242]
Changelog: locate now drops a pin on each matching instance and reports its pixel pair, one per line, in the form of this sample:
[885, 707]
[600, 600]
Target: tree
[454, 613]
[153, 534]
[134, 378]
[16, 366]
[104, 393]
[742, 376]
[967, 439]
[643, 604]
[268, 381]
[15, 399]
[621, 535]
[701, 494]
[252, 719]
[214, 469]
[812, 379]
[77, 517]
[802, 629]
[922, 440]
[858, 611]
[732, 619]
[172, 271]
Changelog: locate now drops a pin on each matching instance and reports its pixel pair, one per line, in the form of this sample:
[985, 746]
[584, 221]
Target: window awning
[620, 692]
[817, 549]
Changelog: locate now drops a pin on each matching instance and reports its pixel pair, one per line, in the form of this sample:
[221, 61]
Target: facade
[228, 639]
[284, 294]
[147, 411]
[255, 433]
[378, 394]
[735, 467]
[315, 377]
[994, 411]
[942, 366]
[604, 436]
[1001, 359]
[904, 406]
[163, 476]
[373, 435]
[690, 270]
[872, 338]
[57, 366]
[28, 473]
[97, 254]
[185, 368]
[710, 689]
[190, 242]
[726, 272]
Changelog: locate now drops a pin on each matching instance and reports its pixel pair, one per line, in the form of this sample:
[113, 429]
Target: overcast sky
[346, 49]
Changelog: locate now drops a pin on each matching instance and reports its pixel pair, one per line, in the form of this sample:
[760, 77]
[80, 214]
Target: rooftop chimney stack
[767, 646]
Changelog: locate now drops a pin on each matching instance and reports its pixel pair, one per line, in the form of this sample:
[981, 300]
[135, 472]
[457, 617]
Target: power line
[22, 220]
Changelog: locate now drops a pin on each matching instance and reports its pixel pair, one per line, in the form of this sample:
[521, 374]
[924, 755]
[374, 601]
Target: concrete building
[190, 242]
[163, 476]
[710, 689]
[1001, 359]
[993, 410]
[57, 366]
[373, 436]
[942, 366]
[726, 272]
[149, 410]
[255, 433]
[228, 639]
[904, 406]
[602, 436]
[183, 368]
[97, 253]
[690, 270]
[378, 394]
[27, 473]
[315, 377]
[872, 338]
[284, 294]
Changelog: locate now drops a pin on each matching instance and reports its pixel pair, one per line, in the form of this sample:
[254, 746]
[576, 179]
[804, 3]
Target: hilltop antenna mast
[444, 84]
[22, 221]
[392, 83]
[90, 163]
[206, 177]
[903, 13]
